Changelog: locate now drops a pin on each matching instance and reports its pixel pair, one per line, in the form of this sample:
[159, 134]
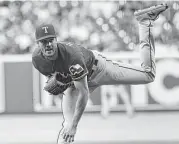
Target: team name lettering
[45, 29]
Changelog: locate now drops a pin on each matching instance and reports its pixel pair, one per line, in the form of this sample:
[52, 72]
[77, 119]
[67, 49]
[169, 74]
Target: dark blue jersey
[73, 62]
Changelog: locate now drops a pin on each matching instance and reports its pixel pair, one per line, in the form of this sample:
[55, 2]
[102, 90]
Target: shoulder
[36, 52]
[36, 56]
[69, 47]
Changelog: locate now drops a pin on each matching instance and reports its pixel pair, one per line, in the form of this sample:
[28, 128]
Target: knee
[150, 77]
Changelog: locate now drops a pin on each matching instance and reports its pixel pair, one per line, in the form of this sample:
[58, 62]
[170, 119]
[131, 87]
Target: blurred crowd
[103, 26]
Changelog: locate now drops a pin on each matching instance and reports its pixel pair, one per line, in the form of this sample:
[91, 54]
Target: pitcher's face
[48, 46]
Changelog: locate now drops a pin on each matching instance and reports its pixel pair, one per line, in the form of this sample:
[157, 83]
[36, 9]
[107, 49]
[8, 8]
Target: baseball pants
[109, 72]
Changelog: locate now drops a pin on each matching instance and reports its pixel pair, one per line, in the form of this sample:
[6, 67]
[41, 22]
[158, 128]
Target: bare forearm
[80, 107]
[69, 104]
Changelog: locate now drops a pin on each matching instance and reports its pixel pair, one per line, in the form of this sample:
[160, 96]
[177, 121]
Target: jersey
[72, 64]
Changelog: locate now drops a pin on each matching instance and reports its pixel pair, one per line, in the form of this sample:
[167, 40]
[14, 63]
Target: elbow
[85, 90]
[84, 93]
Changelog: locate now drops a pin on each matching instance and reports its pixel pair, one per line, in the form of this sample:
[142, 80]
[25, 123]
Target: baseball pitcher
[76, 71]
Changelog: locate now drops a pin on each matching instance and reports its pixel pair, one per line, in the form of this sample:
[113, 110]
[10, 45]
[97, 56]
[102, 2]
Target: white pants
[110, 73]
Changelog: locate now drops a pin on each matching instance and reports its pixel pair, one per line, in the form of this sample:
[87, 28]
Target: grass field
[144, 128]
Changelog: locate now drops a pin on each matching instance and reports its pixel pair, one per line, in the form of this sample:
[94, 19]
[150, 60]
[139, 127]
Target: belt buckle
[96, 62]
[95, 65]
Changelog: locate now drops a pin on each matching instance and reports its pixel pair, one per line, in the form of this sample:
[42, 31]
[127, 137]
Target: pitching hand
[68, 133]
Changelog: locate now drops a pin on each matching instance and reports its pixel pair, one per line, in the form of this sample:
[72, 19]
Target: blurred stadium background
[28, 115]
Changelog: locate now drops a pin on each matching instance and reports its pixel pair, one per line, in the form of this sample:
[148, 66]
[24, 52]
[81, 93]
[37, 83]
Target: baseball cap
[44, 31]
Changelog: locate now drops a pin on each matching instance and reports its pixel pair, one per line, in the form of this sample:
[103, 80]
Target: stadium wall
[21, 87]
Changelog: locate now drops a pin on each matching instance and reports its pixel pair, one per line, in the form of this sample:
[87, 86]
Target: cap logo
[45, 29]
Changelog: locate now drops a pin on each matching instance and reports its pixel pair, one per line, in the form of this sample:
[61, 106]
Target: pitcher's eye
[43, 41]
[50, 40]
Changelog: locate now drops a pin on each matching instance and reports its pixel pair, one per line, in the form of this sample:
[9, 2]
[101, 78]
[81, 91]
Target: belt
[93, 68]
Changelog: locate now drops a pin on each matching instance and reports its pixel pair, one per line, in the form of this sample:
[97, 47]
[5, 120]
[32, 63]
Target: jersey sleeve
[77, 67]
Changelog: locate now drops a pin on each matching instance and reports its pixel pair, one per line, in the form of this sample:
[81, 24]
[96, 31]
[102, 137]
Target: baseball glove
[55, 87]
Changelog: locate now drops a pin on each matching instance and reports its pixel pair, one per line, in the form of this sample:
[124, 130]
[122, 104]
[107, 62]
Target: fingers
[68, 138]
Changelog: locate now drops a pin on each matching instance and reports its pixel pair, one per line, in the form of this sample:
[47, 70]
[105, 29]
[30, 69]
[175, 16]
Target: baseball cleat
[151, 13]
